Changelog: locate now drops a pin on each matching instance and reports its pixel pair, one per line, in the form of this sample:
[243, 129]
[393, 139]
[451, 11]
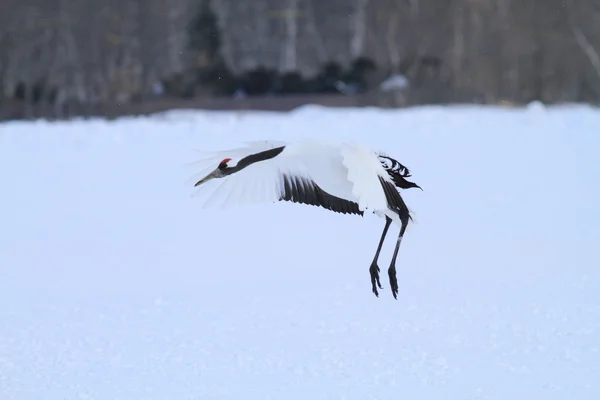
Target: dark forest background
[61, 58]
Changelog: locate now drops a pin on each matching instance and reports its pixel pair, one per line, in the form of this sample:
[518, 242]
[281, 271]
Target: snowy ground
[114, 284]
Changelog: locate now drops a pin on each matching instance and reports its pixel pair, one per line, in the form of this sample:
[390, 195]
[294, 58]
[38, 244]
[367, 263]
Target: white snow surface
[114, 284]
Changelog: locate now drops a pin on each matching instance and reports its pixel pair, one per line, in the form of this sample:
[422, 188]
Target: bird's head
[224, 168]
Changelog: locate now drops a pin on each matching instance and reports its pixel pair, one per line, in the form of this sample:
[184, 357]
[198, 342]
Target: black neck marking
[254, 158]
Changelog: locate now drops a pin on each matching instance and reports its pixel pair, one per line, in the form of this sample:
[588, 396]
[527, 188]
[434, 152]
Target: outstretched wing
[367, 175]
[305, 173]
[306, 191]
[372, 184]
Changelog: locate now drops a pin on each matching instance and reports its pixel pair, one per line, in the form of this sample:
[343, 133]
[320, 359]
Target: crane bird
[341, 177]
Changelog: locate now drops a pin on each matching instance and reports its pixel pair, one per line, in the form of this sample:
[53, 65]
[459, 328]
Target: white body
[346, 170]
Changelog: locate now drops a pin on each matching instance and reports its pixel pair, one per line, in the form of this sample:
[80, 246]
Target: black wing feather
[305, 191]
[395, 201]
[397, 172]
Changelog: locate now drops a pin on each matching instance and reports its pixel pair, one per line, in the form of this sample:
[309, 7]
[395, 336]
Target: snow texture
[115, 284]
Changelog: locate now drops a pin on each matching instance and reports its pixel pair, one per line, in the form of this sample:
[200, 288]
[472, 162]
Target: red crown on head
[223, 163]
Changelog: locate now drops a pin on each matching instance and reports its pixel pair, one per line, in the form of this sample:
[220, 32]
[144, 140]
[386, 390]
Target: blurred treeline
[66, 57]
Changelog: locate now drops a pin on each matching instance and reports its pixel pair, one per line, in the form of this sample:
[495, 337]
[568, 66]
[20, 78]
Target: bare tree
[315, 38]
[359, 29]
[114, 51]
[289, 53]
[578, 13]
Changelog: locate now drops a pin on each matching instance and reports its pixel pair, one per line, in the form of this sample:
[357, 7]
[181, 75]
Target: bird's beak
[215, 174]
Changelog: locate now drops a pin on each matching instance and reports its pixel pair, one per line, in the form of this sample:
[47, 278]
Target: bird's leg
[374, 269]
[392, 269]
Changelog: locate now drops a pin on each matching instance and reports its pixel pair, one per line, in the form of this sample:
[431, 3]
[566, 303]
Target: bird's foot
[393, 281]
[374, 271]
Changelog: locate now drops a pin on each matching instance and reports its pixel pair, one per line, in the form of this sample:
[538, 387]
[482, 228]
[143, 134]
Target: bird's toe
[393, 281]
[374, 271]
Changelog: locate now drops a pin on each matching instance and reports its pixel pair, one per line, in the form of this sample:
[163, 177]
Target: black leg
[374, 269]
[392, 269]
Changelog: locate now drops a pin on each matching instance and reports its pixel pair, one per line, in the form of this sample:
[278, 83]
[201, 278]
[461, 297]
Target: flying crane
[341, 177]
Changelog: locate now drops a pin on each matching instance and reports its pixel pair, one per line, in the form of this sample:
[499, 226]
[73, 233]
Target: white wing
[337, 176]
[258, 183]
[365, 171]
